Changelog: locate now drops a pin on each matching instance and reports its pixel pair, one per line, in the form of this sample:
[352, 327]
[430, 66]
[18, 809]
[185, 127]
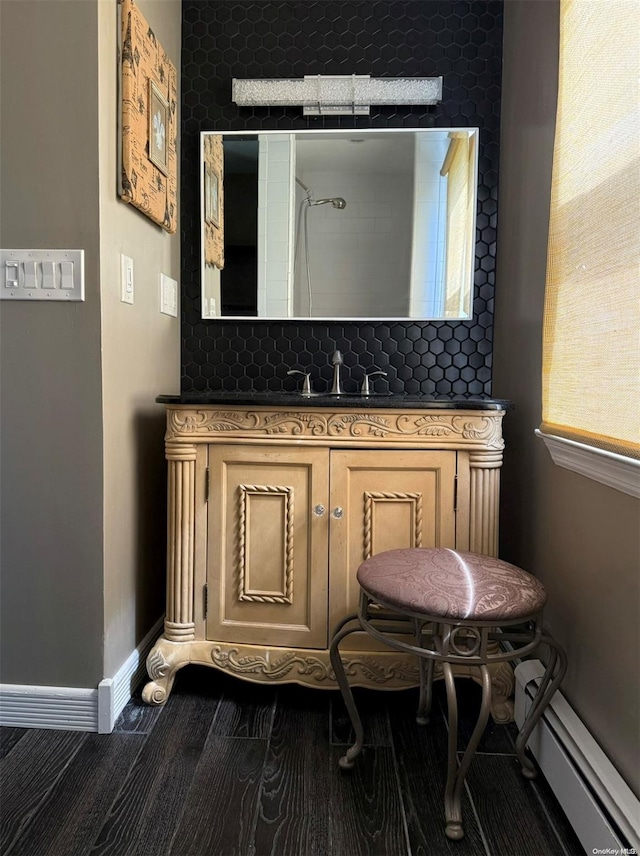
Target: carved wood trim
[484, 501]
[290, 665]
[179, 624]
[179, 451]
[244, 593]
[414, 428]
[370, 498]
[485, 459]
[268, 664]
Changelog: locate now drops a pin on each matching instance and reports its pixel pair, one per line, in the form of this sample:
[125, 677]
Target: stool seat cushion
[451, 584]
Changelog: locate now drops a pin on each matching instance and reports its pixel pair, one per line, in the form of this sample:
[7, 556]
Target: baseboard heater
[604, 812]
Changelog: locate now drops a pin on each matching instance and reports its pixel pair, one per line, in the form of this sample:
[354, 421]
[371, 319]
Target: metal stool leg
[456, 775]
[426, 691]
[548, 686]
[454, 819]
[426, 667]
[347, 760]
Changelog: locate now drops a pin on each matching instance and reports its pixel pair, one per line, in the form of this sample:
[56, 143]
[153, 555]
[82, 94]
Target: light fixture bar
[338, 95]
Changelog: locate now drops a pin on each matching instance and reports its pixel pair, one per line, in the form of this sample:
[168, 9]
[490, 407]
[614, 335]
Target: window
[591, 362]
[460, 169]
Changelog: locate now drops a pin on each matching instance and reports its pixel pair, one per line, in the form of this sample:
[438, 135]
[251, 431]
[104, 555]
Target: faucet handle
[306, 386]
[364, 389]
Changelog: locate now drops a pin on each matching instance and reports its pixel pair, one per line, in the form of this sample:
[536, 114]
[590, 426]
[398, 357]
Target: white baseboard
[114, 693]
[604, 812]
[74, 708]
[68, 708]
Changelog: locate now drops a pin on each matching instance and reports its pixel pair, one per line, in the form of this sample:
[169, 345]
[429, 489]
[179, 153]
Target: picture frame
[158, 128]
[212, 184]
[148, 88]
[212, 199]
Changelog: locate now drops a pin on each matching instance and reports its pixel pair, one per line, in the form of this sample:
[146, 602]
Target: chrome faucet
[365, 388]
[337, 361]
[306, 386]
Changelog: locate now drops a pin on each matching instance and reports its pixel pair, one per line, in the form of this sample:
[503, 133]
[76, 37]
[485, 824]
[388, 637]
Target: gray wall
[83, 473]
[51, 452]
[580, 537]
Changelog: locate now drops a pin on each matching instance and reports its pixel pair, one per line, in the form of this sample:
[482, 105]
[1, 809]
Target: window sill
[616, 471]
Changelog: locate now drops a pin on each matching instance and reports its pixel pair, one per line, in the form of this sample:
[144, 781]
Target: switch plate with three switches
[42, 275]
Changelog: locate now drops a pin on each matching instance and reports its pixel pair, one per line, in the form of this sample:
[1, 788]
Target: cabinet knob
[319, 510]
[337, 512]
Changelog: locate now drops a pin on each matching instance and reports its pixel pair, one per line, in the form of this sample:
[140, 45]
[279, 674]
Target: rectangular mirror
[343, 224]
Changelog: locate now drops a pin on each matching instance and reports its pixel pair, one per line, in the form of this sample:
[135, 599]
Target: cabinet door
[267, 558]
[385, 501]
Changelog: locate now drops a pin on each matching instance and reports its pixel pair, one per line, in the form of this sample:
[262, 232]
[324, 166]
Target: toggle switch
[11, 274]
[48, 275]
[66, 274]
[126, 279]
[30, 275]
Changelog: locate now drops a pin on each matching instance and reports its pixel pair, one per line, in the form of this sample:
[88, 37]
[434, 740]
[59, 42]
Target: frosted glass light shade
[342, 95]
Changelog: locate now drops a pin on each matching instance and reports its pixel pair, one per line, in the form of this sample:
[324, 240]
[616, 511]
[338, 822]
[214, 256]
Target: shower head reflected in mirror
[336, 201]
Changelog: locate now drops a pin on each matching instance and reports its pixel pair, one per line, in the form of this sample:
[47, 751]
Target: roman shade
[591, 356]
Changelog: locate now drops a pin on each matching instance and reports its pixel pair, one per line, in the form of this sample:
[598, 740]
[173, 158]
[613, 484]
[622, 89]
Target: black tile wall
[458, 39]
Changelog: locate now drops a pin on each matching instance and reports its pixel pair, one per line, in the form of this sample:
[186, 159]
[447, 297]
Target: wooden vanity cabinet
[389, 500]
[286, 525]
[267, 552]
[271, 512]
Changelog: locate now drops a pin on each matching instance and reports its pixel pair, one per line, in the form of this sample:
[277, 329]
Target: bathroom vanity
[274, 501]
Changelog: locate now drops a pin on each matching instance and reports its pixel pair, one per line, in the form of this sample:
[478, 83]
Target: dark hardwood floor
[228, 768]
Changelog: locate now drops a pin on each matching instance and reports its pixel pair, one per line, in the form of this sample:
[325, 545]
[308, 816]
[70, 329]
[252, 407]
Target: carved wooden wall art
[213, 186]
[149, 93]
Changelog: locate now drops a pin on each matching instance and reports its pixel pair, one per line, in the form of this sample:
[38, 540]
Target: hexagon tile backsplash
[458, 39]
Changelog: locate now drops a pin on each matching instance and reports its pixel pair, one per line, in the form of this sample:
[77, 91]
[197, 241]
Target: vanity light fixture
[336, 95]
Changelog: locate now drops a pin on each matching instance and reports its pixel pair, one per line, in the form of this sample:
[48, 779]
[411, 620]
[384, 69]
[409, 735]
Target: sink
[334, 396]
[337, 396]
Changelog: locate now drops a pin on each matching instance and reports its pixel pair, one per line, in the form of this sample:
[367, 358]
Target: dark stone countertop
[296, 399]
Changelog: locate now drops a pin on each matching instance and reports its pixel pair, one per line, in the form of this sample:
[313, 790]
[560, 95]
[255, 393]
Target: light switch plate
[168, 296]
[126, 279]
[42, 275]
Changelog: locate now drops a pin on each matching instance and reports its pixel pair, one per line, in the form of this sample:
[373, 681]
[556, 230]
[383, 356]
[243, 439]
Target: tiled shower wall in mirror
[458, 39]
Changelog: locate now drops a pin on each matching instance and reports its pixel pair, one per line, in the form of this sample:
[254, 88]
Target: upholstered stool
[457, 608]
